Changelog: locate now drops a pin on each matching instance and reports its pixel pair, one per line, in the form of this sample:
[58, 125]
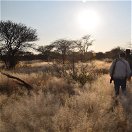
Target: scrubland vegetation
[60, 102]
[66, 90]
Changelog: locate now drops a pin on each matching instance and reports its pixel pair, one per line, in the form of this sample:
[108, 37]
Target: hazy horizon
[60, 19]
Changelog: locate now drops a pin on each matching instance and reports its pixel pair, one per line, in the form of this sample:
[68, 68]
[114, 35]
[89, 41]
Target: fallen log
[21, 82]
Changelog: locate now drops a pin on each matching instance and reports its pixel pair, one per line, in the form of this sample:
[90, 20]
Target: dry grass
[59, 105]
[95, 110]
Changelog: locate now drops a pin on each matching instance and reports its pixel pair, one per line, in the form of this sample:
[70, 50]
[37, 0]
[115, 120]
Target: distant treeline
[16, 40]
[52, 55]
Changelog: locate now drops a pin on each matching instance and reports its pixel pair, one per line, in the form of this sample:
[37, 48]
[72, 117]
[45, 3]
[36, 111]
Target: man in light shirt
[120, 72]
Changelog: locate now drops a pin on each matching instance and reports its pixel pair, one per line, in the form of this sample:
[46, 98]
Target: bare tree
[14, 38]
[83, 45]
[86, 42]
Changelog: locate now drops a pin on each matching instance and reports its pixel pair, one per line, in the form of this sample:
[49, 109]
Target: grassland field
[57, 103]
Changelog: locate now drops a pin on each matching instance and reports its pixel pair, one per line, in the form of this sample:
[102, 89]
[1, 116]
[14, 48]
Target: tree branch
[28, 86]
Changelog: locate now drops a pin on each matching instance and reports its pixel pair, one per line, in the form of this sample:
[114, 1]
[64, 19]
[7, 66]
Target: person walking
[129, 59]
[120, 72]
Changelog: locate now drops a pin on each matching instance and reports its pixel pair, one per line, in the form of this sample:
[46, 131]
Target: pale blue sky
[57, 19]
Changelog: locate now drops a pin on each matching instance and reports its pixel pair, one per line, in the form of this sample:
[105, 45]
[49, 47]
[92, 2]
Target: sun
[88, 19]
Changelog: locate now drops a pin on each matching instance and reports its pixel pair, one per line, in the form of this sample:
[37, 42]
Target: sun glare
[88, 20]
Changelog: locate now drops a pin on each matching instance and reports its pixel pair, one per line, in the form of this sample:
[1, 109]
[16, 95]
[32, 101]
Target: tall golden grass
[59, 105]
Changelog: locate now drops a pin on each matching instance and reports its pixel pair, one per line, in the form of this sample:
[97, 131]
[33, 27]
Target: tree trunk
[11, 62]
[63, 58]
[73, 64]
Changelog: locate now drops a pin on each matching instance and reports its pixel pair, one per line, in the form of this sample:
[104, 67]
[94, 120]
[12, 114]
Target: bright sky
[109, 23]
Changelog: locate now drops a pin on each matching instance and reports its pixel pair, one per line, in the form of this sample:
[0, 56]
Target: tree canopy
[14, 37]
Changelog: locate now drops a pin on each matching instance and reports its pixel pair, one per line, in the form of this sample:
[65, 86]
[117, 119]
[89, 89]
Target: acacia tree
[115, 52]
[14, 38]
[45, 51]
[62, 46]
